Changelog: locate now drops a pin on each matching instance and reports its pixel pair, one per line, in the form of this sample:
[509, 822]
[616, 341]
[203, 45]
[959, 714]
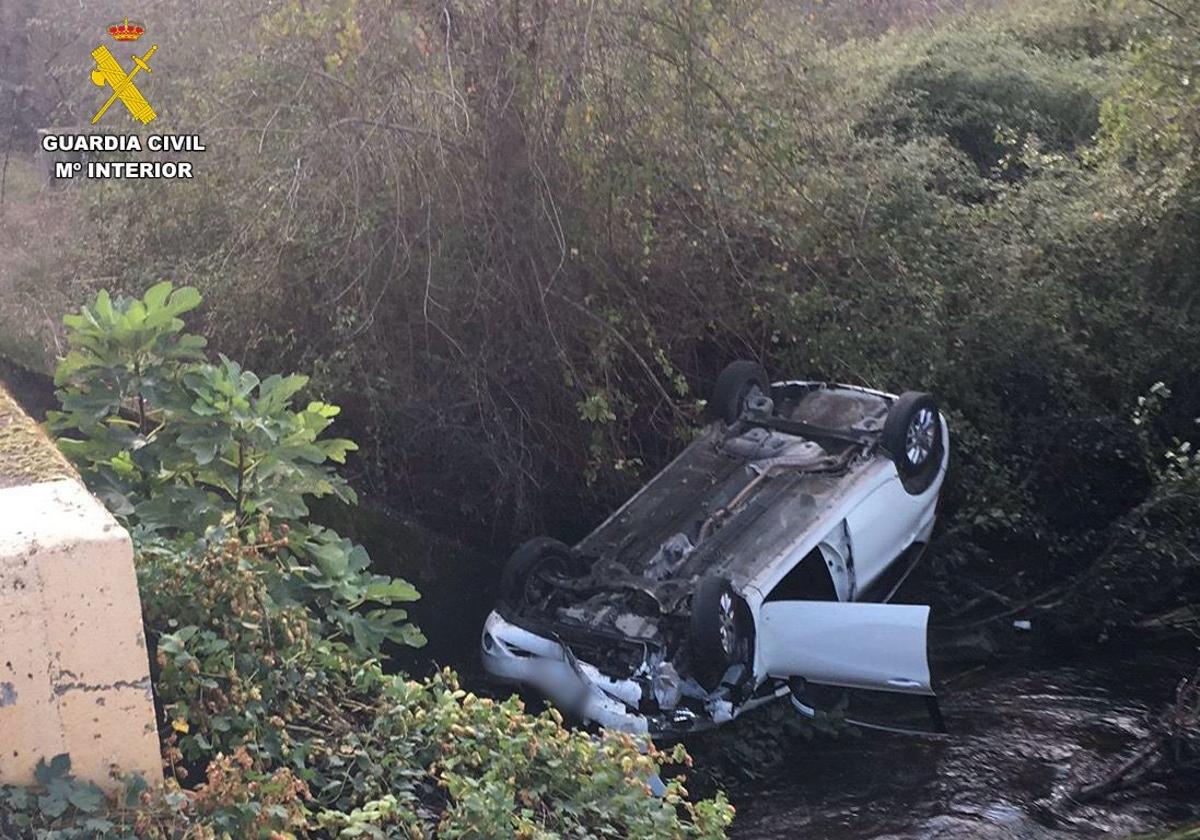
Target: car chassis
[760, 560]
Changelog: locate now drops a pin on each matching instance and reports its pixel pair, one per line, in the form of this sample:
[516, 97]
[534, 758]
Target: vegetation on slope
[517, 242]
[266, 629]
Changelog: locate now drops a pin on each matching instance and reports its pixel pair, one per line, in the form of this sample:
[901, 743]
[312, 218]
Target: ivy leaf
[132, 793]
[53, 805]
[58, 768]
[86, 797]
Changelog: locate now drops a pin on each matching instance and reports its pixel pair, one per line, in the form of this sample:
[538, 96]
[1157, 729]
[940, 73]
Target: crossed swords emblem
[108, 72]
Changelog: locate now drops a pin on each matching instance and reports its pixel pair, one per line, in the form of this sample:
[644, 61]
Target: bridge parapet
[74, 672]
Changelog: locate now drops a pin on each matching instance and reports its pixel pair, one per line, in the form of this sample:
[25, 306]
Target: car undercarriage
[620, 608]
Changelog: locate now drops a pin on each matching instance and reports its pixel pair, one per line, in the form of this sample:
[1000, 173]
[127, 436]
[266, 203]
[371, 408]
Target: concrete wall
[74, 673]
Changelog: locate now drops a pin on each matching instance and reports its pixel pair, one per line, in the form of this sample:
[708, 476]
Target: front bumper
[514, 654]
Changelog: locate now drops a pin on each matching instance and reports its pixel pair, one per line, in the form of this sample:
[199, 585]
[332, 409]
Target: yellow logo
[108, 72]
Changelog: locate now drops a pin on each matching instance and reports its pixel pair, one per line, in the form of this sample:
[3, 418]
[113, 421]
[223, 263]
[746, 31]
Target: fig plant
[183, 448]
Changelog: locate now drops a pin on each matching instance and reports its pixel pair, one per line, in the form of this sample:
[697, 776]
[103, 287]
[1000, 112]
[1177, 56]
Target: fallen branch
[1125, 774]
[1173, 746]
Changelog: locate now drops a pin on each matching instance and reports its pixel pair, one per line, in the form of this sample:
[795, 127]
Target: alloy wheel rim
[727, 627]
[920, 438]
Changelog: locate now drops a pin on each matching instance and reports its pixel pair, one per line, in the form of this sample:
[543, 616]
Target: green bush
[651, 191]
[985, 93]
[182, 449]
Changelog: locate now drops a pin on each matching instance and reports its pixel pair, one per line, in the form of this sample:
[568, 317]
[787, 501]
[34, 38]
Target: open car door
[880, 647]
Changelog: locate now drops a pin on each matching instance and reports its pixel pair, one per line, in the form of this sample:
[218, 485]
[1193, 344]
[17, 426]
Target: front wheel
[722, 632]
[530, 573]
[912, 435]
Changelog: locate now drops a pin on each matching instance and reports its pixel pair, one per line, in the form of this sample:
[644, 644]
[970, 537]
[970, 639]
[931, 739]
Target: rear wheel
[912, 435]
[736, 384]
[722, 632]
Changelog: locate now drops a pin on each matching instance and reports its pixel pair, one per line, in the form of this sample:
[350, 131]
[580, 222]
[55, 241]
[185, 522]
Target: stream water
[1019, 736]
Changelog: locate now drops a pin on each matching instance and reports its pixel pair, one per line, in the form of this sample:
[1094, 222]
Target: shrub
[380, 753]
[183, 449]
[984, 91]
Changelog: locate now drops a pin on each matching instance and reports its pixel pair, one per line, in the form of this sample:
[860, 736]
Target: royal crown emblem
[126, 31]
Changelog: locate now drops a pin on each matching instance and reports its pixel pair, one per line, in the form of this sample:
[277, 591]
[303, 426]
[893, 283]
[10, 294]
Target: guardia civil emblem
[108, 73]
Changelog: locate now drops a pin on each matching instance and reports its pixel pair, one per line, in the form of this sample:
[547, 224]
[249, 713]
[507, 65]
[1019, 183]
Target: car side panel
[889, 519]
[882, 526]
[768, 568]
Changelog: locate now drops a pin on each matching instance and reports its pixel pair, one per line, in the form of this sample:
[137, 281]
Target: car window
[809, 580]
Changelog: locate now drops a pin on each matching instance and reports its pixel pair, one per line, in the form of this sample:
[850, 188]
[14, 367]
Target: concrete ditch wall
[74, 672]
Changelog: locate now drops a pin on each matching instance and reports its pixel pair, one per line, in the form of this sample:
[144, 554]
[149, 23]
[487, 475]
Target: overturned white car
[760, 559]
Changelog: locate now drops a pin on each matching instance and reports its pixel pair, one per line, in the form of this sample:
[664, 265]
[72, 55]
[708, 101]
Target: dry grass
[26, 455]
[37, 223]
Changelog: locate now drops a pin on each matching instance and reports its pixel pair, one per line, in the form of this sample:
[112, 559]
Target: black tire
[733, 387]
[912, 436]
[529, 558]
[722, 632]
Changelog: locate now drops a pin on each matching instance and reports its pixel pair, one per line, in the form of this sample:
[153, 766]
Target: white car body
[860, 519]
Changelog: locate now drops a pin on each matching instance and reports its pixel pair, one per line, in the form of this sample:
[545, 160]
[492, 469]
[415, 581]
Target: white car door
[882, 647]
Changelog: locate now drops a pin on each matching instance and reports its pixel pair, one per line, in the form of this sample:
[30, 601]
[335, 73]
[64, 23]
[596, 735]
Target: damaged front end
[601, 642]
[624, 671]
[648, 701]
[653, 699]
